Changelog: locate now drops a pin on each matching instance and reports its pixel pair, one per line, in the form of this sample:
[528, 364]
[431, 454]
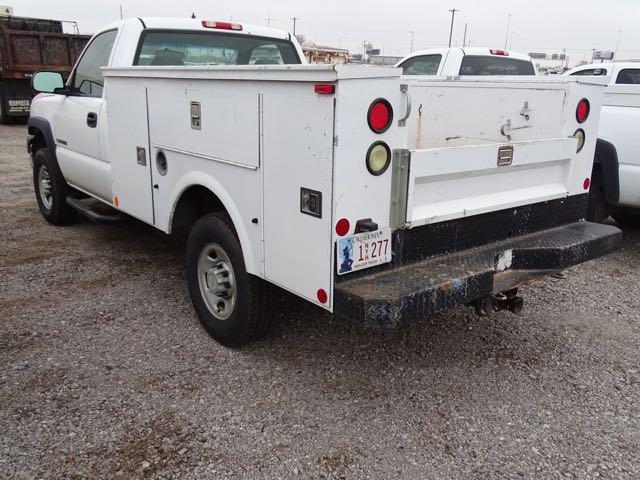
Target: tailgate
[447, 183]
[477, 146]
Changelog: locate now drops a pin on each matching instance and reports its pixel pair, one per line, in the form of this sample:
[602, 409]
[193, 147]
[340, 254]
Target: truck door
[79, 122]
[297, 162]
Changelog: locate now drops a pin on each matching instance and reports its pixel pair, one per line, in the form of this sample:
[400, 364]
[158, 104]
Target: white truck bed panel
[449, 183]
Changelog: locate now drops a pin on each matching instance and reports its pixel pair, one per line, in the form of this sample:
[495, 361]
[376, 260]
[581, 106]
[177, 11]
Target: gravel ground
[106, 372]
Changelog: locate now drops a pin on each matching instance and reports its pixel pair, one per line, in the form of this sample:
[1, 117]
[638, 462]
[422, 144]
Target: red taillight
[586, 184]
[325, 89]
[380, 115]
[322, 295]
[221, 25]
[342, 227]
[582, 112]
[502, 53]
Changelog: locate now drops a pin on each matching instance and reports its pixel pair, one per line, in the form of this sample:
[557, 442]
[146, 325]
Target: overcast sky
[578, 26]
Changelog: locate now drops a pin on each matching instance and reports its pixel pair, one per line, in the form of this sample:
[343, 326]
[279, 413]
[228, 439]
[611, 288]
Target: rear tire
[599, 210]
[234, 307]
[627, 217]
[51, 190]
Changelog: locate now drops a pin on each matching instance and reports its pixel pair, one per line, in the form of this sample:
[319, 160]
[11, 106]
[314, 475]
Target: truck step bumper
[95, 210]
[394, 297]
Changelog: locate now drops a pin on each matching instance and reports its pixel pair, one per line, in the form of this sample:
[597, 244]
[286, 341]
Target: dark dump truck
[26, 46]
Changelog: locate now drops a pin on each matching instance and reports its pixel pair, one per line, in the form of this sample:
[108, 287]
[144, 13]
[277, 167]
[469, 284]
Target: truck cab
[374, 198]
[616, 186]
[466, 61]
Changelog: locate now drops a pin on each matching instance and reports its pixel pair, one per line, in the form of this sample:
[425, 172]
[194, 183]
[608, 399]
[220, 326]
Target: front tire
[234, 307]
[51, 190]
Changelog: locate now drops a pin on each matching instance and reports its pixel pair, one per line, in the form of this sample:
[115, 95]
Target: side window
[266, 55]
[88, 78]
[629, 76]
[595, 72]
[423, 65]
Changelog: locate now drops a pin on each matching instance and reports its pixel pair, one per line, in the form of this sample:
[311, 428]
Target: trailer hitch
[507, 300]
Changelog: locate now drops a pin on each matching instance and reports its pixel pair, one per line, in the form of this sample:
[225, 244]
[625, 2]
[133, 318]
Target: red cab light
[380, 115]
[583, 110]
[221, 25]
[325, 89]
[502, 53]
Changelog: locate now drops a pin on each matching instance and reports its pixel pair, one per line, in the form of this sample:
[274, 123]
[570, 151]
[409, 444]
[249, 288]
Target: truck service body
[377, 199]
[616, 186]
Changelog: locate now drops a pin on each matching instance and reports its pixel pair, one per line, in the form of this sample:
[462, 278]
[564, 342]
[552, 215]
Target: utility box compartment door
[129, 148]
[297, 153]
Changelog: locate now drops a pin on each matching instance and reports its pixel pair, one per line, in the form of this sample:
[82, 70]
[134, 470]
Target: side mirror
[47, 82]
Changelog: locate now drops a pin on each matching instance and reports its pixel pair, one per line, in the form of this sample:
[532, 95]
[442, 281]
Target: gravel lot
[106, 372]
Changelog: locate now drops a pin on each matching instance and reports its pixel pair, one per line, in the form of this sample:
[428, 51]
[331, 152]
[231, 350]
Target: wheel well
[194, 202]
[38, 141]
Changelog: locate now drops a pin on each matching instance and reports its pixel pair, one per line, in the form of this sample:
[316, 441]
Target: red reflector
[322, 295]
[380, 115]
[325, 89]
[342, 227]
[586, 184]
[17, 75]
[221, 25]
[583, 110]
[503, 53]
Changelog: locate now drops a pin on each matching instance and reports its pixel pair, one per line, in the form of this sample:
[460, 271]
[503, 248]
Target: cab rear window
[212, 48]
[629, 76]
[495, 65]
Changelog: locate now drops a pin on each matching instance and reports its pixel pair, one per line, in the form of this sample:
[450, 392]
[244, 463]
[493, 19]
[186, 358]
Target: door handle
[92, 119]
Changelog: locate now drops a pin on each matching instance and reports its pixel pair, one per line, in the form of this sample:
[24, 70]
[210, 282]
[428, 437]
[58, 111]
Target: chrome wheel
[44, 186]
[217, 281]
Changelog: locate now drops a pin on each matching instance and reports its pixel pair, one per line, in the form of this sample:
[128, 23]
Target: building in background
[324, 55]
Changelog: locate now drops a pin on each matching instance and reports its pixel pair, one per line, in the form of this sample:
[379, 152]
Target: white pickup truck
[615, 188]
[372, 199]
[467, 61]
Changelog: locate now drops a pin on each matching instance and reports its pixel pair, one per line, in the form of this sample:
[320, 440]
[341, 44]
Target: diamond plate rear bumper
[395, 296]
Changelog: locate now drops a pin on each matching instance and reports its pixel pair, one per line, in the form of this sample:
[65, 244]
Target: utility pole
[412, 34]
[295, 19]
[506, 39]
[511, 42]
[464, 38]
[120, 12]
[268, 19]
[453, 16]
[615, 53]
[593, 55]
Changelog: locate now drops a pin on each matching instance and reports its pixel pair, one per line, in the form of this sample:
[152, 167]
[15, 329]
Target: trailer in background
[28, 45]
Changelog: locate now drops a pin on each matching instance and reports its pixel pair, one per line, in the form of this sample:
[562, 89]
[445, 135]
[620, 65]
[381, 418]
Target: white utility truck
[615, 186]
[372, 199]
[467, 61]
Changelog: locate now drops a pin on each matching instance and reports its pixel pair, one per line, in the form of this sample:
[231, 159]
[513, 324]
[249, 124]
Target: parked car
[615, 187]
[318, 179]
[466, 61]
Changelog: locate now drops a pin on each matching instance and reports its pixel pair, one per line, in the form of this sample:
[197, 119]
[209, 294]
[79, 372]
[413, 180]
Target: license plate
[363, 250]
